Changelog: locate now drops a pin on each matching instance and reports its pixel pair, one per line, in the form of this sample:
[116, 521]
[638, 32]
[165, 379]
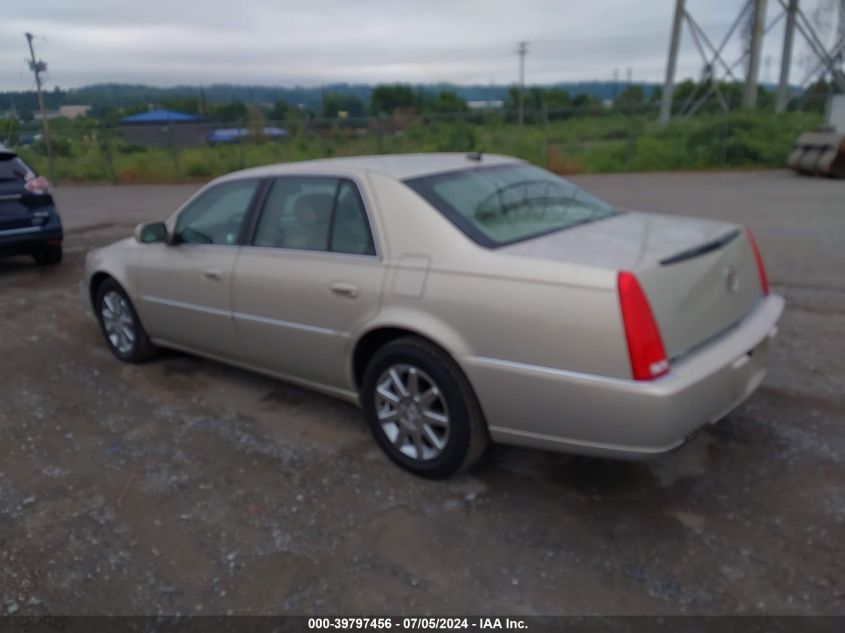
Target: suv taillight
[38, 185]
[645, 347]
[761, 268]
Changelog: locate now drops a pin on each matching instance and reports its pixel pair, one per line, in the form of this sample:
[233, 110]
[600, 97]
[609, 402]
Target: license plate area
[750, 369]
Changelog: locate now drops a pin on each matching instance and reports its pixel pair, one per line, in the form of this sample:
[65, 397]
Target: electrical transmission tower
[37, 67]
[717, 68]
[713, 57]
[828, 60]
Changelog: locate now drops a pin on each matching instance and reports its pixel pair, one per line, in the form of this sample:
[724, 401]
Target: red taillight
[645, 347]
[761, 267]
[37, 185]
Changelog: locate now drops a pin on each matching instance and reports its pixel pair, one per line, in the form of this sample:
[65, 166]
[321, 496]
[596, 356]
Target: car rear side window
[13, 168]
[314, 213]
[502, 204]
[216, 216]
[350, 229]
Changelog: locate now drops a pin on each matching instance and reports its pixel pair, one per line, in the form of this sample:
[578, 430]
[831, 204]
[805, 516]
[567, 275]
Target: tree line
[233, 104]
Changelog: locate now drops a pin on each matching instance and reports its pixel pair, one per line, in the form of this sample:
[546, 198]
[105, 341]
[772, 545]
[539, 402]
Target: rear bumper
[582, 413]
[26, 241]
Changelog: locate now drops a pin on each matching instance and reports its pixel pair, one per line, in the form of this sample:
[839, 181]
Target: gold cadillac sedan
[456, 299]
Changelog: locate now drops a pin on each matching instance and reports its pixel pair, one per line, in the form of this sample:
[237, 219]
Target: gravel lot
[185, 486]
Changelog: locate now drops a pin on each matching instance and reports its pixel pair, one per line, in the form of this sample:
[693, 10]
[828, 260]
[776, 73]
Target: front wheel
[121, 327]
[421, 409]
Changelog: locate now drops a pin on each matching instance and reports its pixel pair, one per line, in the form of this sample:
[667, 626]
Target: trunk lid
[700, 276]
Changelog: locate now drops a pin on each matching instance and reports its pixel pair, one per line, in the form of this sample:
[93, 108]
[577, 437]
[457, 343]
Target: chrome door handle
[344, 289]
[213, 274]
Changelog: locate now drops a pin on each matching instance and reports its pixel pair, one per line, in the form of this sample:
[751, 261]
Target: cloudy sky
[311, 42]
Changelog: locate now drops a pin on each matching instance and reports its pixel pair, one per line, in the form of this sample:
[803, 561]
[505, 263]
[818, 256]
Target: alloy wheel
[412, 412]
[118, 322]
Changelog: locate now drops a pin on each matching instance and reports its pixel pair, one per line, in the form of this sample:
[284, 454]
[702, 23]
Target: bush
[198, 170]
[130, 148]
[458, 137]
[596, 141]
[59, 145]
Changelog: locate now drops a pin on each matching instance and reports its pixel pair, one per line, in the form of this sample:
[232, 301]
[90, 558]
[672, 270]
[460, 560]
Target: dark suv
[29, 222]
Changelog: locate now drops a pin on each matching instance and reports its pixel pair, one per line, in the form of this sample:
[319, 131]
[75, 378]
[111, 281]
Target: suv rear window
[503, 204]
[13, 168]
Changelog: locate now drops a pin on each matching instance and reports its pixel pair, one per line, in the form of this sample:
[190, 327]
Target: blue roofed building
[165, 128]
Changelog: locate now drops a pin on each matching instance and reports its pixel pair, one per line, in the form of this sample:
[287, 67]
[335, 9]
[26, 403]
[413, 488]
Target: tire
[48, 256]
[124, 333]
[434, 429]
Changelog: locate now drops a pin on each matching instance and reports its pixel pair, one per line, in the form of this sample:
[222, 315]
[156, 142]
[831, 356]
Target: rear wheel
[421, 409]
[121, 327]
[48, 255]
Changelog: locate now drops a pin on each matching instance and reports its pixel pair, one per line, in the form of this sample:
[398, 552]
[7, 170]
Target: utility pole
[674, 44]
[521, 51]
[758, 26]
[38, 67]
[841, 41]
[786, 57]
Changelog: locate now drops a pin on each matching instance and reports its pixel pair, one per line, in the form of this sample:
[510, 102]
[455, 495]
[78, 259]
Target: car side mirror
[152, 233]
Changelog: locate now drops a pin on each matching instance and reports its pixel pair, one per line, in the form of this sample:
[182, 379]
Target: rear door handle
[213, 274]
[344, 289]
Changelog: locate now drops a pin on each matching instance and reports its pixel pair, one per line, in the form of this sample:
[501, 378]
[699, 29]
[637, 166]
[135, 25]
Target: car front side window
[216, 216]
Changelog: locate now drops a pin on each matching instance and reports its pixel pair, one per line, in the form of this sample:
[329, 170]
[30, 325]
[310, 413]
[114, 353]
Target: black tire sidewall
[458, 444]
[134, 354]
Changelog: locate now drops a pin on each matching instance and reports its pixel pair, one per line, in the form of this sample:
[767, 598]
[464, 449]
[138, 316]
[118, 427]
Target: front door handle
[345, 289]
[212, 274]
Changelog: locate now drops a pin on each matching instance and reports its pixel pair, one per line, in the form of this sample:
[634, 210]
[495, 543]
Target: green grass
[590, 144]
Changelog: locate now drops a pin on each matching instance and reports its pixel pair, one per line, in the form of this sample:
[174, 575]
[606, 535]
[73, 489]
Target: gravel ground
[185, 486]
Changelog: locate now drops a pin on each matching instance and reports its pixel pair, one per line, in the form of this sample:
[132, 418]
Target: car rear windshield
[502, 204]
[13, 168]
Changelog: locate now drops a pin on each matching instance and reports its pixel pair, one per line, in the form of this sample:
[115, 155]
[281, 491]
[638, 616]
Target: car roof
[398, 166]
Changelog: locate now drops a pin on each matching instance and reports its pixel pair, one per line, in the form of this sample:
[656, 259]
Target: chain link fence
[594, 138]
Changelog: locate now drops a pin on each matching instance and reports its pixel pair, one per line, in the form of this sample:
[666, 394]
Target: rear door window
[315, 213]
[297, 214]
